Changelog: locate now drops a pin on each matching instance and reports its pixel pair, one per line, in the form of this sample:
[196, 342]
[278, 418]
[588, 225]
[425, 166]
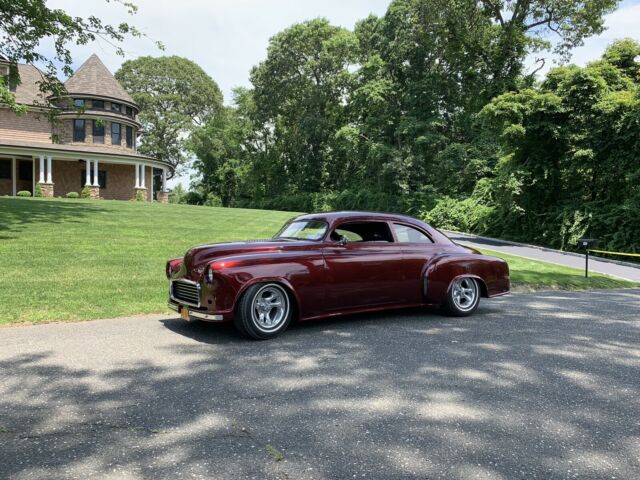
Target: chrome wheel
[465, 293]
[270, 308]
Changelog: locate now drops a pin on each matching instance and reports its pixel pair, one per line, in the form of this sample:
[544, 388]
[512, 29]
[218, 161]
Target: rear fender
[442, 271]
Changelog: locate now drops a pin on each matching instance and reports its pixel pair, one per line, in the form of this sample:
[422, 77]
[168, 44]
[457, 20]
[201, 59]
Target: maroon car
[329, 264]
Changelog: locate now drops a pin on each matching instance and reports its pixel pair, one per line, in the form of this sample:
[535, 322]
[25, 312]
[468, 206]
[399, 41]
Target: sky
[228, 37]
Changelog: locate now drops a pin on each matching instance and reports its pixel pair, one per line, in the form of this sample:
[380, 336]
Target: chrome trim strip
[205, 316]
[180, 301]
[173, 307]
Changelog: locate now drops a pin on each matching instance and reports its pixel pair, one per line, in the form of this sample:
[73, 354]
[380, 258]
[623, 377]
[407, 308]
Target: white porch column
[88, 173]
[41, 168]
[96, 182]
[164, 179]
[49, 173]
[143, 182]
[137, 165]
[13, 175]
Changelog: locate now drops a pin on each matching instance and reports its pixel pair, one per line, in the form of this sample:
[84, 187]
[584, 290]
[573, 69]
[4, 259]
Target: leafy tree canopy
[175, 96]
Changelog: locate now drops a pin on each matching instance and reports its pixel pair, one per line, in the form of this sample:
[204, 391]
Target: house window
[78, 102]
[98, 131]
[5, 168]
[78, 130]
[102, 178]
[129, 137]
[130, 112]
[25, 170]
[116, 107]
[116, 137]
[97, 104]
[12, 84]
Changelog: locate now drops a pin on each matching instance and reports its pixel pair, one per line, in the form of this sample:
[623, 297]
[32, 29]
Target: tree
[25, 23]
[175, 97]
[300, 92]
[568, 165]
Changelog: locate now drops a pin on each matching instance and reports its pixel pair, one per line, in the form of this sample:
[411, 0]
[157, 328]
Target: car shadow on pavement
[536, 386]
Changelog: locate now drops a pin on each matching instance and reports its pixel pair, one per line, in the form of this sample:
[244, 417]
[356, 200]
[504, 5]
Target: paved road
[540, 386]
[553, 256]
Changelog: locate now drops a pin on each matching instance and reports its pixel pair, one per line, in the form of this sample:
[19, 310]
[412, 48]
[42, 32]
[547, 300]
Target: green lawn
[79, 260]
[529, 274]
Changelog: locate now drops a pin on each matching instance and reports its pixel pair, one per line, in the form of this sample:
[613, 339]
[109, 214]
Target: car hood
[198, 257]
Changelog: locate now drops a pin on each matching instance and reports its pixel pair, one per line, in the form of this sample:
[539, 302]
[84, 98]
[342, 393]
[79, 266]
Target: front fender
[302, 273]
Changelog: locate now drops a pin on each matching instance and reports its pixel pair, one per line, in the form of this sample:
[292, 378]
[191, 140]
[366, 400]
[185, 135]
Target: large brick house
[92, 141]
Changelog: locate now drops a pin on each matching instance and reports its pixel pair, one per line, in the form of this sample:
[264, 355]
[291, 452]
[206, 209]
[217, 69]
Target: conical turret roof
[93, 78]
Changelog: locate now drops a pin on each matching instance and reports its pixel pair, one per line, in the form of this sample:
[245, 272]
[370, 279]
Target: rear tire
[264, 311]
[463, 297]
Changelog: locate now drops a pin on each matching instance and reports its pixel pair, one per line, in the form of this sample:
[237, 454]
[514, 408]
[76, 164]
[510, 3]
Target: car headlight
[208, 274]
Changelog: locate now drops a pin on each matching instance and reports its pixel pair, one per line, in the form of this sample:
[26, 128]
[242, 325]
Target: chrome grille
[186, 292]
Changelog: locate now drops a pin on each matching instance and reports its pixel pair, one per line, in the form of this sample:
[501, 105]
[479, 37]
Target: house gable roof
[93, 78]
[28, 90]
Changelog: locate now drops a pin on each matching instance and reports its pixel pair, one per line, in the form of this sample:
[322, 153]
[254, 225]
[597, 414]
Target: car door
[417, 249]
[367, 270]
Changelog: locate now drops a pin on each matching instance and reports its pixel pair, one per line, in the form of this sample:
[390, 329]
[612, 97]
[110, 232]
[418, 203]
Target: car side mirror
[342, 241]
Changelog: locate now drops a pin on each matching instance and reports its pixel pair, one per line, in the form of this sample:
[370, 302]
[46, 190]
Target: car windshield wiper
[288, 238]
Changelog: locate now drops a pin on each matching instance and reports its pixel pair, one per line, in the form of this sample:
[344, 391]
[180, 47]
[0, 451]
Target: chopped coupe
[328, 264]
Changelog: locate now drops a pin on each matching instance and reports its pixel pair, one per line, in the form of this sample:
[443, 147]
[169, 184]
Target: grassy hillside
[76, 260]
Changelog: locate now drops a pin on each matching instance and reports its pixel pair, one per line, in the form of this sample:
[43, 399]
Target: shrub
[73, 195]
[38, 191]
[468, 215]
[213, 200]
[140, 196]
[24, 193]
[86, 192]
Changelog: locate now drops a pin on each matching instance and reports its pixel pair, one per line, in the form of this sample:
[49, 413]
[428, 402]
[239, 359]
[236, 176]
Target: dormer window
[116, 107]
[78, 102]
[97, 104]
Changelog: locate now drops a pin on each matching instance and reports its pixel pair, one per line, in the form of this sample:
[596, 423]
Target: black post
[586, 265]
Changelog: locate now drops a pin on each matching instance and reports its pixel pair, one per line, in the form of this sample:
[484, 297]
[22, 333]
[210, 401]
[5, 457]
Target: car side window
[360, 232]
[407, 234]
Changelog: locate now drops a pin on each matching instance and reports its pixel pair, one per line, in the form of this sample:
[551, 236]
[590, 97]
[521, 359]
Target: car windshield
[304, 230]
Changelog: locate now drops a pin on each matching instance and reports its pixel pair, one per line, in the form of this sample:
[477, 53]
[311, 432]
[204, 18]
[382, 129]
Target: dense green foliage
[568, 164]
[175, 96]
[106, 259]
[429, 110]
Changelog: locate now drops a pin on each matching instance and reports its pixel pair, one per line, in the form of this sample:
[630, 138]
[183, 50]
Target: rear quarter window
[407, 234]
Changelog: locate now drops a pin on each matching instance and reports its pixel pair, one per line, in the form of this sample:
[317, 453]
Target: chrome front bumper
[196, 315]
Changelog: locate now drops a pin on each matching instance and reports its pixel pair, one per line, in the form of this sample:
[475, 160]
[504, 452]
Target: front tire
[264, 311]
[463, 297]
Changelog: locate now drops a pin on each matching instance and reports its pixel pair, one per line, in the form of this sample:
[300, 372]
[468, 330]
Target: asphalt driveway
[534, 386]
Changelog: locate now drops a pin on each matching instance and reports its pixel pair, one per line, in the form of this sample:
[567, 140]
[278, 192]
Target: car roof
[346, 215]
